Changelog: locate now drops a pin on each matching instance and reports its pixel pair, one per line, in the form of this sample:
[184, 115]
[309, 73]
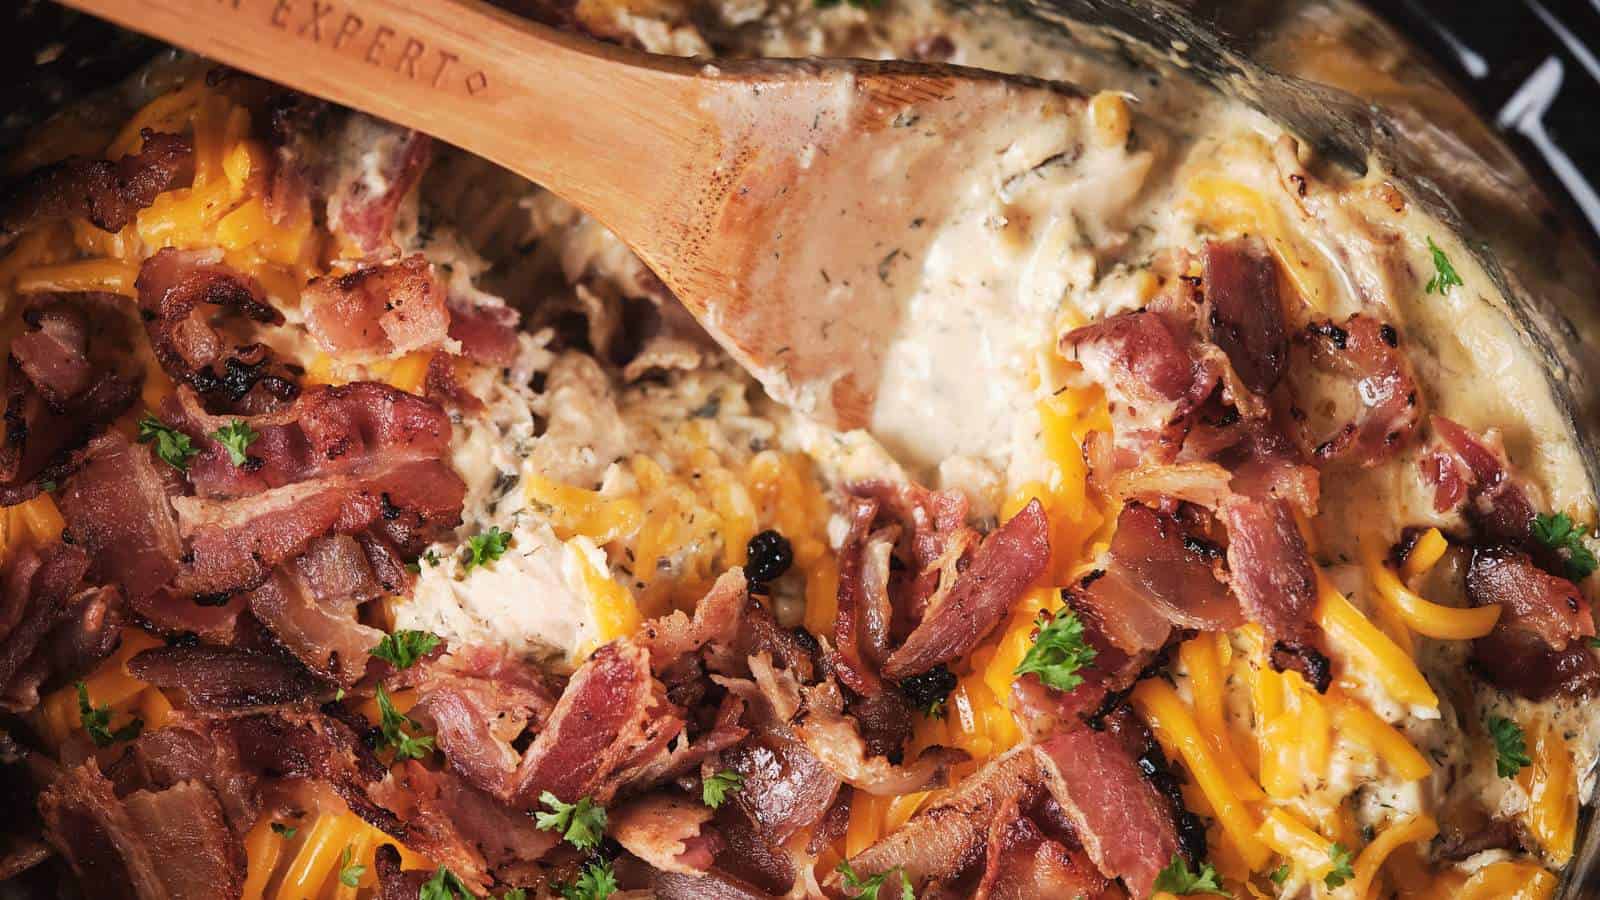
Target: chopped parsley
[236, 438]
[596, 882]
[715, 789]
[444, 885]
[581, 823]
[350, 871]
[1343, 866]
[97, 721]
[284, 831]
[429, 556]
[1561, 534]
[1177, 878]
[172, 445]
[403, 648]
[1280, 874]
[869, 888]
[1059, 650]
[1444, 274]
[392, 725]
[487, 547]
[1510, 747]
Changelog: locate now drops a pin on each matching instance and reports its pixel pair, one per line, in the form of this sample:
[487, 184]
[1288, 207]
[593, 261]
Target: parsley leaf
[1343, 866]
[350, 871]
[868, 888]
[597, 882]
[444, 885]
[487, 547]
[236, 438]
[1177, 879]
[1559, 532]
[403, 648]
[1280, 874]
[581, 823]
[284, 831]
[392, 725]
[714, 790]
[1510, 747]
[97, 721]
[1444, 274]
[172, 445]
[1059, 650]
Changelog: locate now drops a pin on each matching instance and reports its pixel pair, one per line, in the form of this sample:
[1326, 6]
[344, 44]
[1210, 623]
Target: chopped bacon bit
[118, 509]
[225, 678]
[668, 832]
[1165, 571]
[1271, 569]
[177, 290]
[1530, 598]
[1366, 353]
[42, 605]
[861, 628]
[108, 193]
[1124, 823]
[612, 716]
[1472, 470]
[1243, 314]
[487, 333]
[69, 378]
[171, 843]
[1010, 559]
[378, 166]
[378, 310]
[949, 835]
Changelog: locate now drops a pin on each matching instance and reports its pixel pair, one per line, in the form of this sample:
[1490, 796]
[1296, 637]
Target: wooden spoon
[790, 205]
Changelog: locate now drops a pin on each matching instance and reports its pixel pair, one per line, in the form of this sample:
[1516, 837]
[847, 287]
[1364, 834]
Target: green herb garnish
[715, 789]
[236, 438]
[1059, 650]
[403, 648]
[1444, 274]
[581, 823]
[487, 547]
[1561, 534]
[172, 445]
[1510, 746]
[97, 721]
[1343, 866]
[1178, 878]
[392, 725]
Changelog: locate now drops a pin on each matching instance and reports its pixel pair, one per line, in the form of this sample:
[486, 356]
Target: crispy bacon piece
[475, 835]
[1530, 598]
[1124, 823]
[477, 701]
[42, 604]
[106, 192]
[376, 167]
[836, 742]
[329, 430]
[1010, 559]
[487, 332]
[1243, 314]
[310, 605]
[1155, 373]
[1165, 572]
[89, 631]
[225, 678]
[1270, 566]
[1471, 472]
[1022, 863]
[235, 544]
[171, 844]
[395, 883]
[668, 832]
[786, 789]
[949, 836]
[118, 508]
[613, 716]
[1536, 649]
[861, 629]
[189, 751]
[69, 377]
[177, 292]
[1366, 352]
[379, 310]
[718, 619]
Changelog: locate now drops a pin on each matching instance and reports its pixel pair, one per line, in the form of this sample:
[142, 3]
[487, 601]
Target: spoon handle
[608, 128]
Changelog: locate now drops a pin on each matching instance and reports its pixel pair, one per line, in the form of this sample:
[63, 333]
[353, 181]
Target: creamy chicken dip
[1215, 528]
